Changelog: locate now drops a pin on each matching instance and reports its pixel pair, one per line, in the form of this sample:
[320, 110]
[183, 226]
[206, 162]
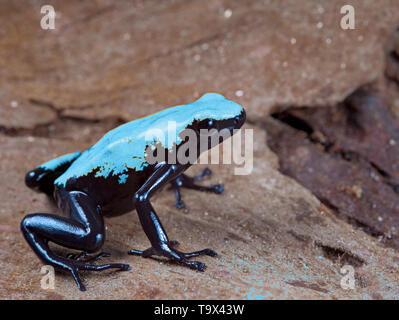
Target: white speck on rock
[227, 13]
[293, 41]
[14, 104]
[204, 46]
[319, 25]
[239, 93]
[392, 142]
[197, 57]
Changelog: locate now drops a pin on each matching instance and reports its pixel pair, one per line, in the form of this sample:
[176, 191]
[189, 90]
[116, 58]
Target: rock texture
[109, 62]
[127, 58]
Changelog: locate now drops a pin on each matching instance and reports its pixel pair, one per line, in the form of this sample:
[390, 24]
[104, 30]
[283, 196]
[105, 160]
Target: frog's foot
[184, 181]
[167, 250]
[78, 263]
[83, 230]
[75, 266]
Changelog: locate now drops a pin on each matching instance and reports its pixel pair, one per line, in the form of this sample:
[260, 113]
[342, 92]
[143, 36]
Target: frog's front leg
[184, 181]
[83, 230]
[152, 225]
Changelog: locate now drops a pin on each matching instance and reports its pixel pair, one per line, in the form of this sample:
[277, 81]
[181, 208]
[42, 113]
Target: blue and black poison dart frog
[113, 177]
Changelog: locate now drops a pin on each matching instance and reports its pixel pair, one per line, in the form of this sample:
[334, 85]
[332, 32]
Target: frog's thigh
[82, 230]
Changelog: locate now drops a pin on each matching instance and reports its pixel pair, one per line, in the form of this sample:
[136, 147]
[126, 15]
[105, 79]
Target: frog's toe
[200, 266]
[208, 252]
[168, 251]
[205, 172]
[180, 204]
[98, 256]
[88, 266]
[80, 256]
[77, 256]
[92, 267]
[217, 188]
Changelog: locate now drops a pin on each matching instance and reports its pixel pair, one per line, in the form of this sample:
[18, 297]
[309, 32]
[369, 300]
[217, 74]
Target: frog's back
[118, 150]
[123, 149]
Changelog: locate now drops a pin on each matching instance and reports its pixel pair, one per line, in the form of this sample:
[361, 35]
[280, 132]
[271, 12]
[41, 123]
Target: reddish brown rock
[128, 59]
[107, 62]
[274, 239]
[348, 157]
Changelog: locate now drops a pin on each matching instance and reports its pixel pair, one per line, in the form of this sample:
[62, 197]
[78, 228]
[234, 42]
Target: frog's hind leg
[184, 181]
[83, 230]
[152, 225]
[42, 178]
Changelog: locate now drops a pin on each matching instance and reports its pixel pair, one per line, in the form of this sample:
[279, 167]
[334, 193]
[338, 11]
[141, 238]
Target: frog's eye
[206, 124]
[237, 120]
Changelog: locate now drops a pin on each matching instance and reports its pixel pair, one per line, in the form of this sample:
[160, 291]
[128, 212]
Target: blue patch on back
[58, 162]
[124, 147]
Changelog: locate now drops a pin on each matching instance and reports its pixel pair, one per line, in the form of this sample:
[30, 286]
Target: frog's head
[216, 112]
[216, 116]
[198, 126]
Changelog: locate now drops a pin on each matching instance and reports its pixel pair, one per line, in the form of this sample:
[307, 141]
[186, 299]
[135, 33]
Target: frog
[113, 177]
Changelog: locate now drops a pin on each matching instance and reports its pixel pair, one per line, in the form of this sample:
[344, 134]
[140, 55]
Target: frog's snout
[33, 178]
[240, 119]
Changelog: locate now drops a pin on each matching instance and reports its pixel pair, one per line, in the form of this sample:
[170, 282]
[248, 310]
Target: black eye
[206, 124]
[236, 120]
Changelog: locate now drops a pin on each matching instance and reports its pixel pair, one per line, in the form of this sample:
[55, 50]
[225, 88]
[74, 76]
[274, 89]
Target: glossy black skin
[85, 200]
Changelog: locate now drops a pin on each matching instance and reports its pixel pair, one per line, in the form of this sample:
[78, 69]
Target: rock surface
[109, 62]
[332, 152]
[128, 59]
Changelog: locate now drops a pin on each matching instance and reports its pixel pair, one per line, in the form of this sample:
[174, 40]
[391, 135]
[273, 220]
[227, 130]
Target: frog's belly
[117, 207]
